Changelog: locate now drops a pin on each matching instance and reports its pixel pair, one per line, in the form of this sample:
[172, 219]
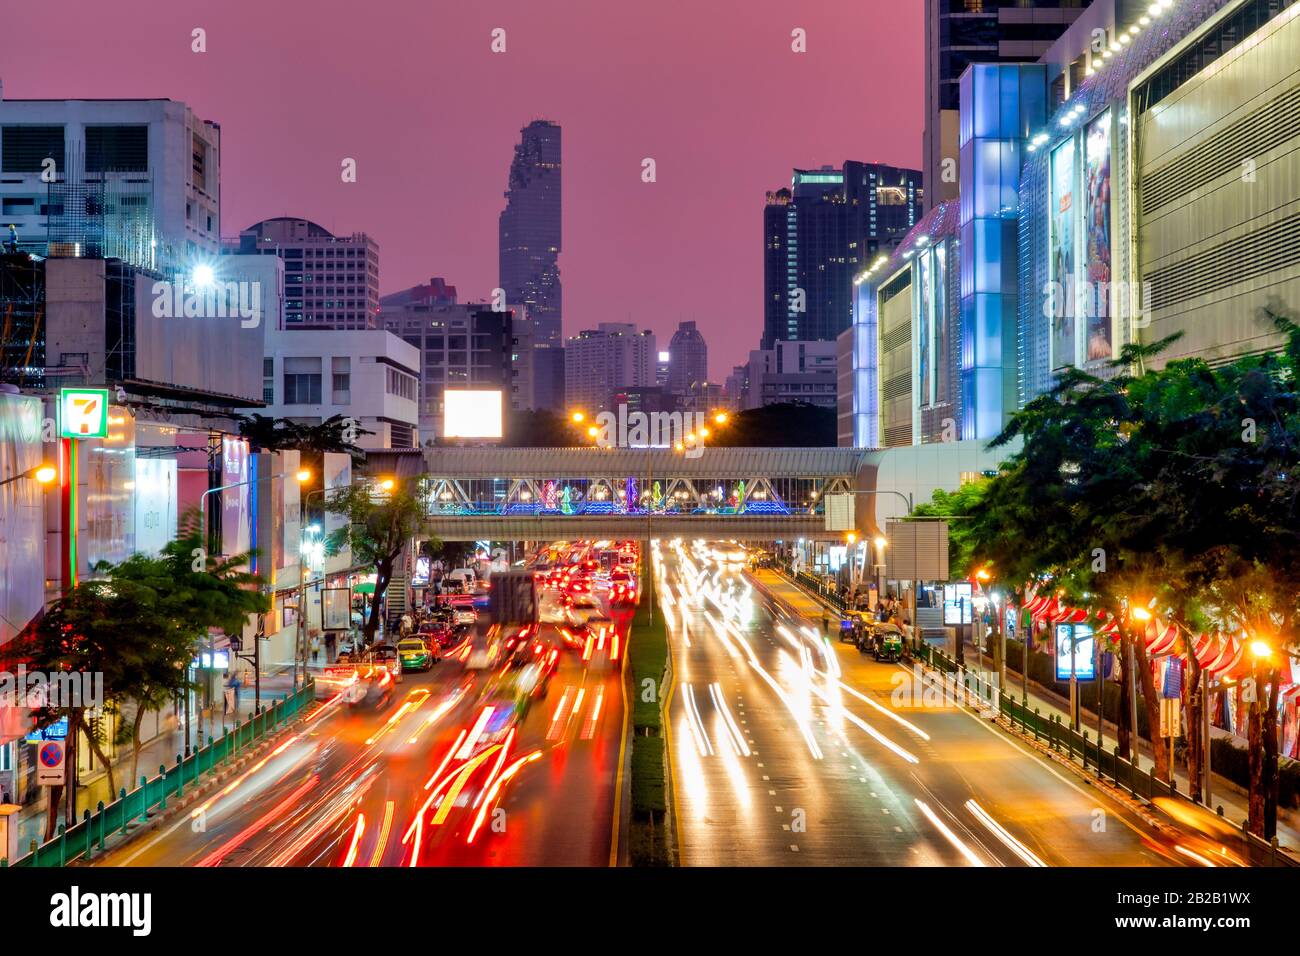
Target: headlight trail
[720, 704]
[884, 710]
[1010, 842]
[801, 722]
[866, 727]
[694, 721]
[948, 835]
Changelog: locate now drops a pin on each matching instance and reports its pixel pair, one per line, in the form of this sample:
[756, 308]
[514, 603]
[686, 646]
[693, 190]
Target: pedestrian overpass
[747, 494]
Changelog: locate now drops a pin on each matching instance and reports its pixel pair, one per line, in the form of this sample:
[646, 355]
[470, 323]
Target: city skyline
[430, 178]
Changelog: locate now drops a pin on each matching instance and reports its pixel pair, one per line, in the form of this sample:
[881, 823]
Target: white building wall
[372, 354]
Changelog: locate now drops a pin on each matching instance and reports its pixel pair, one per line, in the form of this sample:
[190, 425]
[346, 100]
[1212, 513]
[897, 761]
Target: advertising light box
[472, 413]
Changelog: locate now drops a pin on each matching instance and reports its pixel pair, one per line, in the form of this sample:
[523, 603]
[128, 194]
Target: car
[439, 633]
[386, 657]
[371, 691]
[415, 655]
[581, 610]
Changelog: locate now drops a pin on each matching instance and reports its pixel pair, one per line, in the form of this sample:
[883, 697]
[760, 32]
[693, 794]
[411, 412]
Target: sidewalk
[162, 750]
[1224, 793]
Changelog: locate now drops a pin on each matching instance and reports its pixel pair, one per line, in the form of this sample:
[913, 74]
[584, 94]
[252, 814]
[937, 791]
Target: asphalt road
[790, 749]
[348, 788]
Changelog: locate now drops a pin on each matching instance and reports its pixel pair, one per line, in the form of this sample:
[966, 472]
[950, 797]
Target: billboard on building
[1061, 255]
[338, 474]
[106, 494]
[941, 349]
[155, 503]
[924, 330]
[235, 512]
[471, 413]
[22, 515]
[1096, 232]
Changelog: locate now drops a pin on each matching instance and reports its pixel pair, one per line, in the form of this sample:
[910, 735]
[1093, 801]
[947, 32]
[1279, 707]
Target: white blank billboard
[470, 413]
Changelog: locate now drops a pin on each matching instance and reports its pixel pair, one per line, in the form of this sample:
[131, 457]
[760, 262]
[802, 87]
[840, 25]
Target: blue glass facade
[1000, 105]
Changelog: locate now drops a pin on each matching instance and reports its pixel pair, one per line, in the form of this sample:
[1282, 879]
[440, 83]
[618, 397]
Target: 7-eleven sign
[83, 412]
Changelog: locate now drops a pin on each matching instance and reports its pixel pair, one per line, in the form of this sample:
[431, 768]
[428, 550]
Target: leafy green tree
[139, 624]
[380, 525]
[957, 506]
[335, 434]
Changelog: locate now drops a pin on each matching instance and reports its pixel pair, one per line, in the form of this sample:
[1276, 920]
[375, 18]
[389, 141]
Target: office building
[331, 282]
[787, 372]
[819, 234]
[369, 376]
[605, 360]
[461, 346]
[134, 180]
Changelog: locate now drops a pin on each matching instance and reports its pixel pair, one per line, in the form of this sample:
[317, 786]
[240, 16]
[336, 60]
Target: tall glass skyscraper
[819, 234]
[530, 231]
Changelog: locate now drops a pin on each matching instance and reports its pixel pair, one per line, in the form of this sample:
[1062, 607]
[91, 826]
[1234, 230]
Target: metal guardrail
[818, 587]
[1063, 739]
[88, 836]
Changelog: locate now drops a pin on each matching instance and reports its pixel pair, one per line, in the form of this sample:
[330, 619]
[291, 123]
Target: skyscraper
[961, 32]
[819, 234]
[688, 359]
[530, 230]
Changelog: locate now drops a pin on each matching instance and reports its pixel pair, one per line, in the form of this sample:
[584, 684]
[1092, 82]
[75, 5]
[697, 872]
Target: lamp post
[300, 631]
[41, 474]
[302, 476]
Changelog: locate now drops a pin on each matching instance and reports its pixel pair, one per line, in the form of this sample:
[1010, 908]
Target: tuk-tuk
[852, 626]
[885, 642]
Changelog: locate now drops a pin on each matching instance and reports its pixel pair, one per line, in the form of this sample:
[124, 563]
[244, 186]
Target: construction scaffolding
[22, 313]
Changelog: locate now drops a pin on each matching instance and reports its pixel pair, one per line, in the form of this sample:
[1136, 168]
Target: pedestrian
[331, 642]
[232, 693]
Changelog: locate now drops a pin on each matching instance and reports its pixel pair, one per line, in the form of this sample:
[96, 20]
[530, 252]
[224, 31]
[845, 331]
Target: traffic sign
[83, 412]
[49, 763]
[55, 731]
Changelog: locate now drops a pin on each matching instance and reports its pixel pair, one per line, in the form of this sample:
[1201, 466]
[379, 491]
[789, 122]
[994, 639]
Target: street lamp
[41, 474]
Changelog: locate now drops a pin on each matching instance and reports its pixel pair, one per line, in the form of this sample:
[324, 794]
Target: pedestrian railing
[976, 689]
[811, 583]
[87, 837]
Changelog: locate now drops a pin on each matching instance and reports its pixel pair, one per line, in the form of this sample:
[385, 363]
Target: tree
[780, 425]
[539, 428]
[380, 525]
[199, 593]
[336, 434]
[140, 624]
[957, 505]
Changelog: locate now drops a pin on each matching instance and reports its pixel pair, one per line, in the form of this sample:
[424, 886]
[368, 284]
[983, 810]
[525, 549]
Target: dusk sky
[710, 89]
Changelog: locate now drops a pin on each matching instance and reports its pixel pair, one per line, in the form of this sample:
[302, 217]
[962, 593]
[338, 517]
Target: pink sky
[709, 88]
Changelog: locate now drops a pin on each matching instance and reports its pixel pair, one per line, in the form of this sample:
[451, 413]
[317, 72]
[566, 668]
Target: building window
[342, 385]
[268, 381]
[302, 381]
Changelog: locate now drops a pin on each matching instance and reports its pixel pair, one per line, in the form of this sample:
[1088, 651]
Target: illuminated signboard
[469, 413]
[83, 412]
[957, 601]
[1075, 650]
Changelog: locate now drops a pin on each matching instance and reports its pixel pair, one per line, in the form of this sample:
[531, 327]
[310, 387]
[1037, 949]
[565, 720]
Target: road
[790, 749]
[348, 788]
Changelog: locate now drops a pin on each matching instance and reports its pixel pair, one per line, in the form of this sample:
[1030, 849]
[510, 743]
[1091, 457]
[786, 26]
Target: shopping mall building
[1141, 179]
